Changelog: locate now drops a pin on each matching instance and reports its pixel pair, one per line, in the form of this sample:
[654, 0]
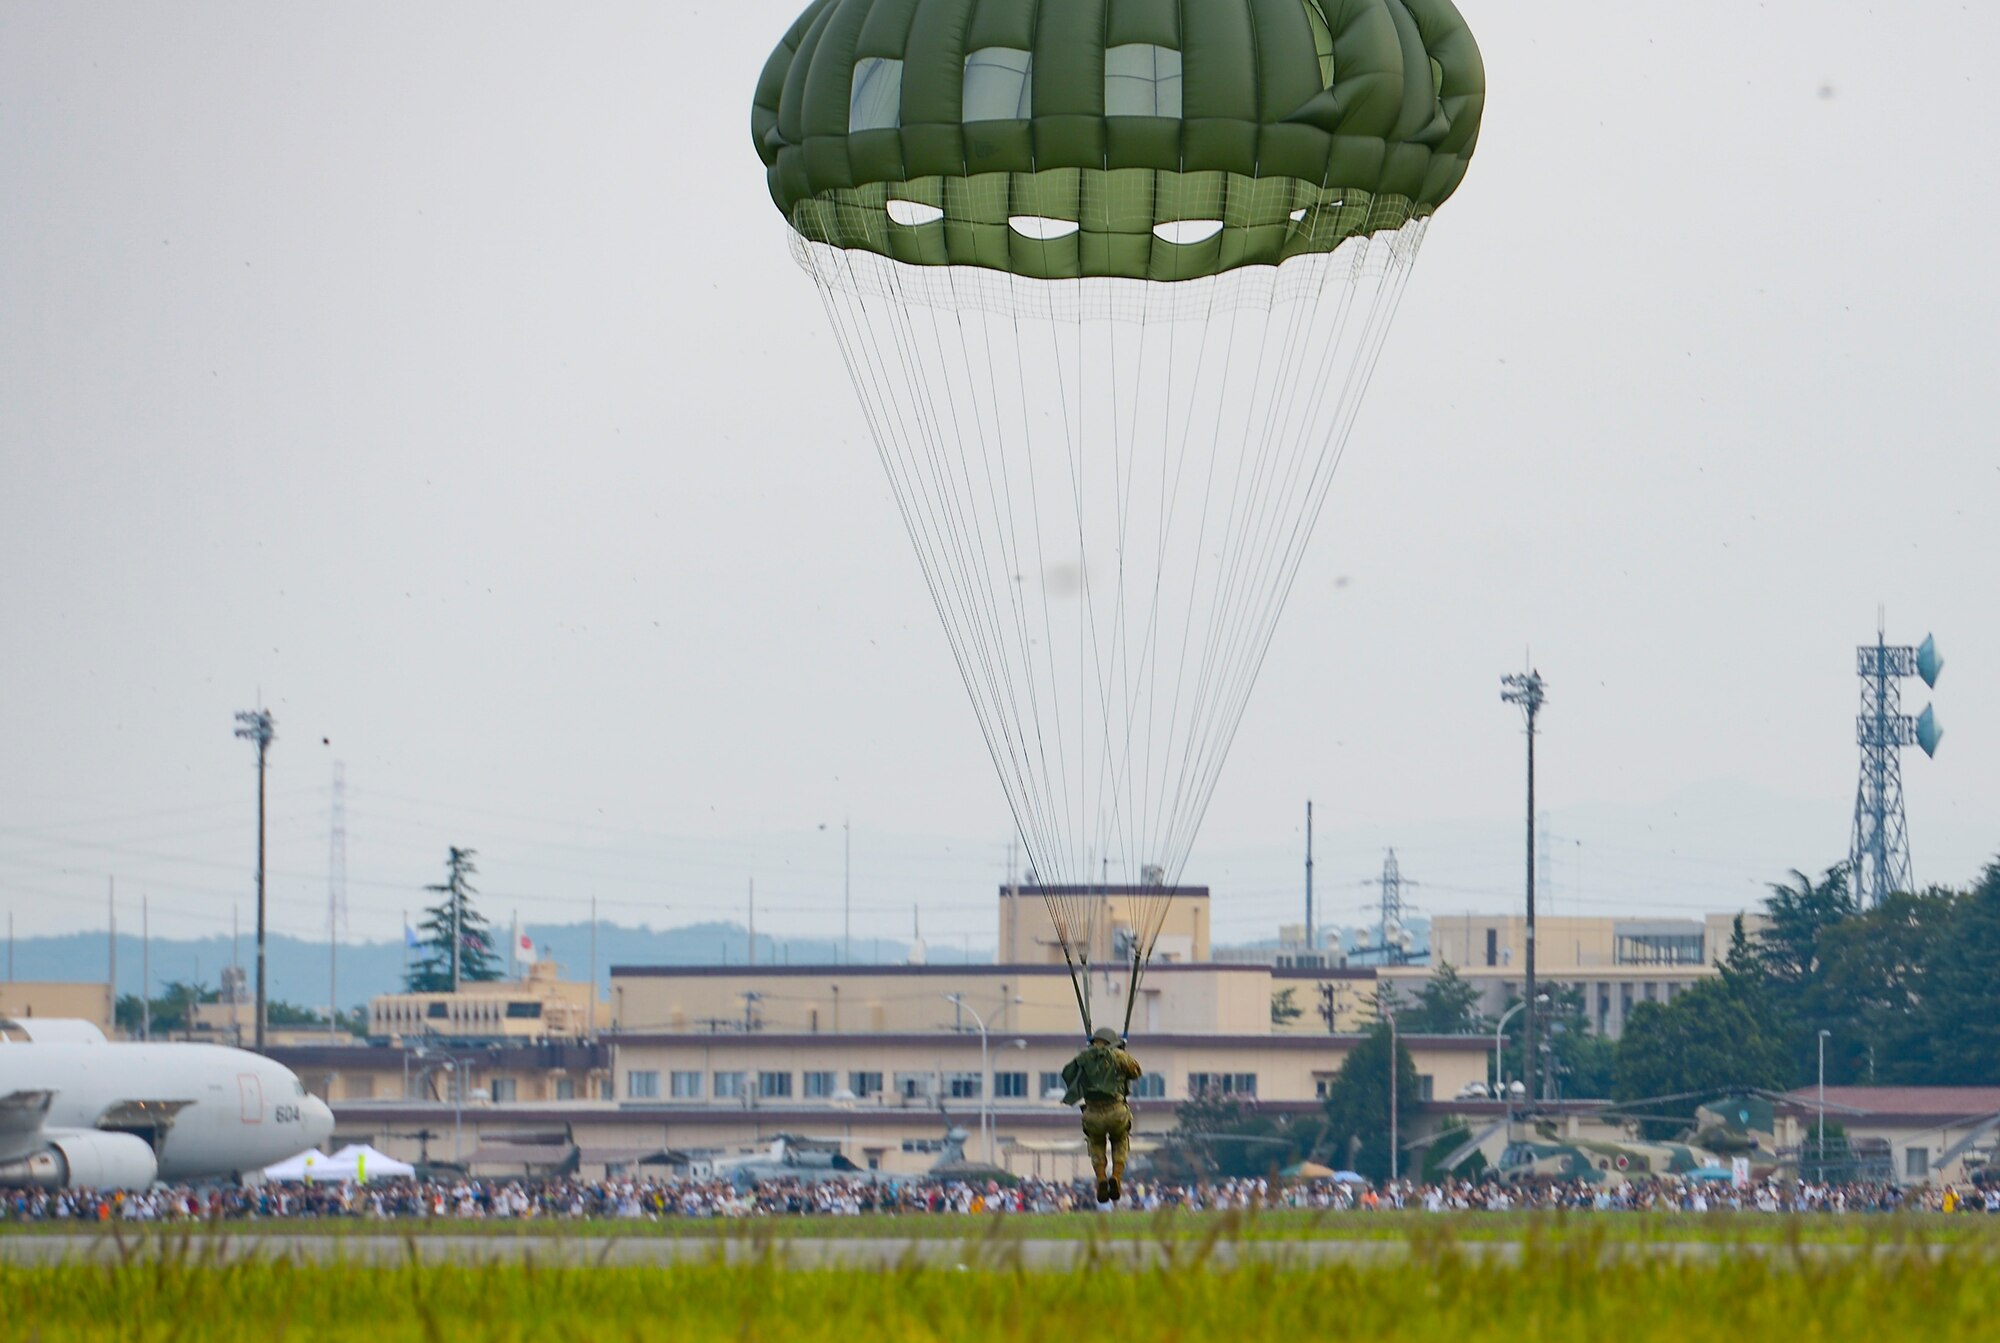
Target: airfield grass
[1570, 1289]
[1722, 1226]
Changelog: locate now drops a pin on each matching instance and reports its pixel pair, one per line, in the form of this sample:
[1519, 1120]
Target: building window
[1150, 1086]
[1917, 1162]
[1051, 1086]
[524, 1011]
[819, 1086]
[565, 1088]
[1658, 949]
[999, 84]
[875, 99]
[1010, 1086]
[437, 1011]
[1141, 80]
[774, 1086]
[1493, 946]
[728, 1086]
[916, 1086]
[865, 1084]
[685, 1086]
[503, 1090]
[1222, 1084]
[1425, 1085]
[1322, 1083]
[604, 1089]
[642, 1085]
[962, 1086]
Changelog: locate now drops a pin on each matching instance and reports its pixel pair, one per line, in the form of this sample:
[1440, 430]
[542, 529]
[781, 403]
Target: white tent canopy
[311, 1164]
[355, 1163]
[360, 1161]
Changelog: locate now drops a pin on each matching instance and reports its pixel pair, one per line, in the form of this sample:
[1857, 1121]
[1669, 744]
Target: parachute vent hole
[912, 213]
[1041, 228]
[1184, 231]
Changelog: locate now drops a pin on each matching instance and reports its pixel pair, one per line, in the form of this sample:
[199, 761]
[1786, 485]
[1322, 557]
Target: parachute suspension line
[858, 339]
[1332, 440]
[1222, 722]
[1007, 447]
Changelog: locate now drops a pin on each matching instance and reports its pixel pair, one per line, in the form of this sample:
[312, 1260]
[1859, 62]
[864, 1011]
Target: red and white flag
[524, 949]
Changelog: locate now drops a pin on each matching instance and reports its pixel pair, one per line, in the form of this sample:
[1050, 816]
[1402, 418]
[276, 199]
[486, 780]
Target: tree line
[1907, 991]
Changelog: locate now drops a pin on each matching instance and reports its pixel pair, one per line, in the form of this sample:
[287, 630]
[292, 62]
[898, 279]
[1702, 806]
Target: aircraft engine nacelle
[86, 1161]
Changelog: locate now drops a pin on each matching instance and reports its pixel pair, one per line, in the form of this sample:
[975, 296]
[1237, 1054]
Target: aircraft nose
[318, 1121]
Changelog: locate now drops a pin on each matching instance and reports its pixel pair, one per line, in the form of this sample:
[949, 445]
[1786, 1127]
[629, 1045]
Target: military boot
[1115, 1190]
[1104, 1194]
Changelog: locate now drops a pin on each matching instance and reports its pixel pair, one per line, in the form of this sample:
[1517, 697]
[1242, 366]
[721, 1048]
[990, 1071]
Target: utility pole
[111, 904]
[846, 890]
[1390, 1013]
[256, 726]
[1312, 943]
[336, 898]
[145, 969]
[1528, 692]
[753, 923]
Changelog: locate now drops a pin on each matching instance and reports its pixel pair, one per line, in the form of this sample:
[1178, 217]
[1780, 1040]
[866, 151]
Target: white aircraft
[79, 1112]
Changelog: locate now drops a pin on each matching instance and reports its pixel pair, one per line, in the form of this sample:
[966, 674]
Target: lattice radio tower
[1878, 858]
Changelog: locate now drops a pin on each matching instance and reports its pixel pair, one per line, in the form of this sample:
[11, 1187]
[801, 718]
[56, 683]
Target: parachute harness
[1109, 484]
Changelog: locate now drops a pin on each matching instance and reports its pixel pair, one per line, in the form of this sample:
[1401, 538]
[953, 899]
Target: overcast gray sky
[439, 372]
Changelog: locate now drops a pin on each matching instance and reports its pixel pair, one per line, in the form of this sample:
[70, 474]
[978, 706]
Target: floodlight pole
[1528, 691]
[256, 726]
[1391, 1014]
[1822, 1103]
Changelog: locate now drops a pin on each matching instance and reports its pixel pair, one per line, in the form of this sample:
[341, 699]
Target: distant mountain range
[298, 969]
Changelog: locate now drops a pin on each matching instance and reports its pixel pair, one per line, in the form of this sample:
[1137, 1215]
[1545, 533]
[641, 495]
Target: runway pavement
[810, 1252]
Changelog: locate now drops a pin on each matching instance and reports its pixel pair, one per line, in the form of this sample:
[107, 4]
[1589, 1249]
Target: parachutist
[1100, 1078]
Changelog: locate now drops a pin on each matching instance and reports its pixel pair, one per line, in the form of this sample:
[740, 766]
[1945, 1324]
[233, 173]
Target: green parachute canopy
[1148, 139]
[1110, 278]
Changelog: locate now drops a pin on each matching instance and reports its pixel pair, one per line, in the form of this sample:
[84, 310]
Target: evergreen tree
[477, 960]
[1960, 1013]
[1285, 1007]
[1357, 1104]
[1705, 1042]
[1445, 1005]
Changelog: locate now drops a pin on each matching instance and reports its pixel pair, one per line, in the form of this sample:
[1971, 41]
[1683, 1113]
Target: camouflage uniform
[1099, 1077]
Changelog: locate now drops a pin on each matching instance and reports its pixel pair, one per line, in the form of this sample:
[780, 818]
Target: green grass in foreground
[1721, 1226]
[1570, 1291]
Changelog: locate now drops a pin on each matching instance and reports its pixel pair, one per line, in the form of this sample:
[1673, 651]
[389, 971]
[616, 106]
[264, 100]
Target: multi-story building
[883, 1059]
[49, 998]
[539, 1006]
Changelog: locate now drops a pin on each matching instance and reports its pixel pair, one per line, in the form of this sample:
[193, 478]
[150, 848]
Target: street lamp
[957, 1000]
[1499, 1068]
[985, 1072]
[1529, 692]
[1822, 1103]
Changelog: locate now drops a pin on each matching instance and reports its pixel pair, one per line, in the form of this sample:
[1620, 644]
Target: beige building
[1929, 1135]
[887, 1099]
[540, 1006]
[705, 1061]
[1615, 963]
[50, 998]
[835, 1000]
[1103, 920]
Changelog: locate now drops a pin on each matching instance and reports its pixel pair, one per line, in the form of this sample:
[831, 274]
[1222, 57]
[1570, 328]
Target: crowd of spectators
[654, 1199]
